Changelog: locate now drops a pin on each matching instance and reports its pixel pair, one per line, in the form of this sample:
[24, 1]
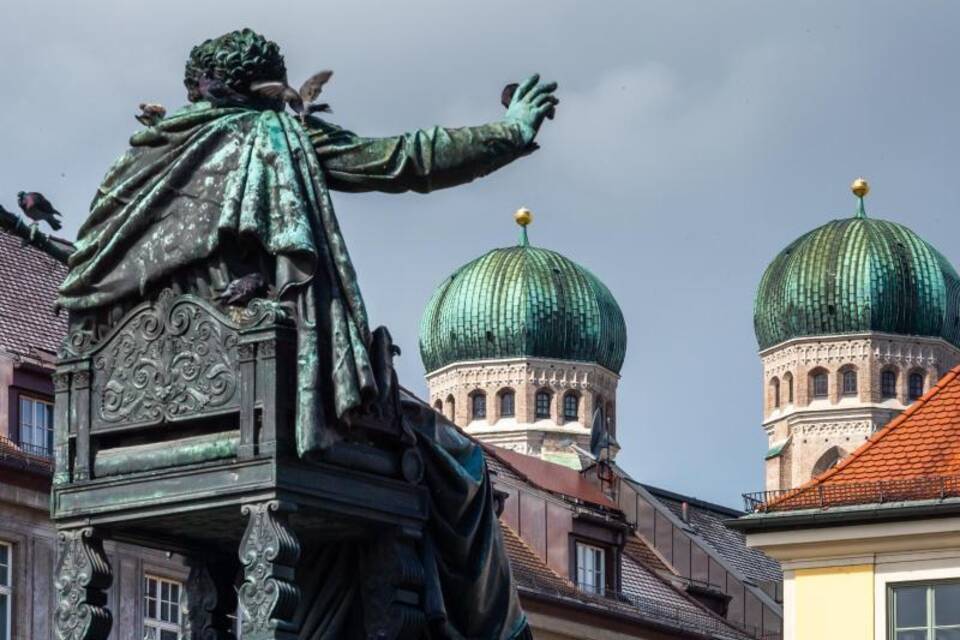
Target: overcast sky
[693, 142]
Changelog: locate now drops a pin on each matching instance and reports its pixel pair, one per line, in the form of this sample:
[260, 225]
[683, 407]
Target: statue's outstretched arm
[433, 158]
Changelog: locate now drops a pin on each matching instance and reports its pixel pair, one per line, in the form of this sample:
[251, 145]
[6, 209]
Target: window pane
[543, 405]
[911, 607]
[4, 565]
[506, 405]
[947, 634]
[918, 634]
[820, 385]
[168, 635]
[479, 406]
[916, 385]
[4, 616]
[849, 383]
[947, 606]
[570, 402]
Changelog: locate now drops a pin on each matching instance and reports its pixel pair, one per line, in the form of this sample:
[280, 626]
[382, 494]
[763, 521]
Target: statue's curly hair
[237, 59]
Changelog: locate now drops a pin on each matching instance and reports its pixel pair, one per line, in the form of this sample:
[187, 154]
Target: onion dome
[856, 275]
[522, 301]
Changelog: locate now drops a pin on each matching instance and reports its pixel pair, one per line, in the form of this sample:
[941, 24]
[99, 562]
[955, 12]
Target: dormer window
[36, 426]
[591, 568]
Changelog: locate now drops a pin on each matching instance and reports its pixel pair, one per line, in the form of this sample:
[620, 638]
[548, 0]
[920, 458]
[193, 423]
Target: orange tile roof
[552, 477]
[915, 456]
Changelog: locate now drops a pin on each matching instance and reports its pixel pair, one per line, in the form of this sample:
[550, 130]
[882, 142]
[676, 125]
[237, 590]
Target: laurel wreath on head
[236, 58]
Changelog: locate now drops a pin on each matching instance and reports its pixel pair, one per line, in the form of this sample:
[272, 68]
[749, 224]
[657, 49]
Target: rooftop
[915, 458]
[30, 273]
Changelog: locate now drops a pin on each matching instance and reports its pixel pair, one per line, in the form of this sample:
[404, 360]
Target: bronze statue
[226, 201]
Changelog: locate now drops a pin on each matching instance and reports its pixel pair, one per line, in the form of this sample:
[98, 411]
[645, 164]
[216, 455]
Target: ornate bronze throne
[175, 430]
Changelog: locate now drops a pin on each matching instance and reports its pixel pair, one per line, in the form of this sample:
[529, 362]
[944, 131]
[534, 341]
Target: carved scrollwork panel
[269, 551]
[171, 360]
[81, 578]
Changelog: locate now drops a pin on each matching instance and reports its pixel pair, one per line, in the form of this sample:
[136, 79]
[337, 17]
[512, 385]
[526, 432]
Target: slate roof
[646, 598]
[642, 551]
[915, 457]
[707, 522]
[29, 277]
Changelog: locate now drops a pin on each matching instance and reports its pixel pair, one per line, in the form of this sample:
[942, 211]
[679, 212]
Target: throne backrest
[169, 372]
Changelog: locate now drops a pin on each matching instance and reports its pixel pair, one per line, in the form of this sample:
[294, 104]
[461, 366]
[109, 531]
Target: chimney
[685, 511]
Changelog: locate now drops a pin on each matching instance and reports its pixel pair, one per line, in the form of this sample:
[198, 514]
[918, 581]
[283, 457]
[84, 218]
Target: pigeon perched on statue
[242, 290]
[218, 93]
[38, 208]
[151, 113]
[302, 101]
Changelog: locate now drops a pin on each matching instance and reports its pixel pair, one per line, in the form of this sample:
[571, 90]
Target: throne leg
[208, 600]
[82, 576]
[269, 551]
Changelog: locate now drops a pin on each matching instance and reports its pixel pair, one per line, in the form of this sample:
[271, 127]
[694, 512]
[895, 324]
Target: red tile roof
[551, 477]
[915, 457]
[29, 278]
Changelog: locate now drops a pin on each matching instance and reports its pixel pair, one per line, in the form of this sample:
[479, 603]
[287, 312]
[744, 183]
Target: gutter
[623, 616]
[836, 516]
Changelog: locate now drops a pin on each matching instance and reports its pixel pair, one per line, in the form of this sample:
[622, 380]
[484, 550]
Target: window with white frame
[6, 590]
[36, 426]
[161, 609]
[925, 611]
[591, 568]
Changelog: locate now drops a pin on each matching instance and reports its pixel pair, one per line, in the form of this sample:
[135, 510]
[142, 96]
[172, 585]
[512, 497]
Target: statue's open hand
[531, 103]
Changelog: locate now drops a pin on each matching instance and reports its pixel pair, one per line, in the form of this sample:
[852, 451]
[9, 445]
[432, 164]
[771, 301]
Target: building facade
[870, 549]
[855, 321]
[148, 584]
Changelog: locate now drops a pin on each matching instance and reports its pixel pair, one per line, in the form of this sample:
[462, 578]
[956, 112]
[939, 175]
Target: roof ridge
[876, 437]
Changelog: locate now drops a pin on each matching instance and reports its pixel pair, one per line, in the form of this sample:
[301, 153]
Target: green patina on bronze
[522, 301]
[854, 275]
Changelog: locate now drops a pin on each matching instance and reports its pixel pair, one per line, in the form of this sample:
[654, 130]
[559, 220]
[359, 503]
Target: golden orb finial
[860, 187]
[523, 216]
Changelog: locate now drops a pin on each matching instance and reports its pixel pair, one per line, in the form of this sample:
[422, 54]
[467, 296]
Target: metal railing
[838, 494]
[682, 618]
[25, 456]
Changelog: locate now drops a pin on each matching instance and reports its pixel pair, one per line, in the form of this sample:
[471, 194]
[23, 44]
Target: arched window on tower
[888, 384]
[788, 381]
[915, 385]
[848, 382]
[478, 405]
[438, 406]
[542, 405]
[775, 392]
[451, 406]
[571, 406]
[828, 460]
[508, 401]
[818, 383]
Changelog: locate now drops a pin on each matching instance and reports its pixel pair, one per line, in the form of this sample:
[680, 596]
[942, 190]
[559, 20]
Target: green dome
[522, 301]
[855, 275]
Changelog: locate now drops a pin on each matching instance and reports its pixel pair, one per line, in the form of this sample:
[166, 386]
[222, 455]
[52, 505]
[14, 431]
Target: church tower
[521, 346]
[855, 320]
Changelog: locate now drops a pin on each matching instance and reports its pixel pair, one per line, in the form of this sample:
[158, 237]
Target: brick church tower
[521, 347]
[855, 320]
